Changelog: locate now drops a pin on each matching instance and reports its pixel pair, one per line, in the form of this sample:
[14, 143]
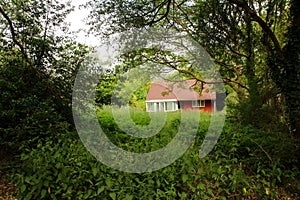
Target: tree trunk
[250, 67]
[291, 82]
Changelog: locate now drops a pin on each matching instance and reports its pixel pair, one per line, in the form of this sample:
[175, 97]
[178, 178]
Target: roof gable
[181, 91]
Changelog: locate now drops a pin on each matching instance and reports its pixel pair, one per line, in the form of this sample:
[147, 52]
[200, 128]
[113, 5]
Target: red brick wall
[208, 106]
[188, 105]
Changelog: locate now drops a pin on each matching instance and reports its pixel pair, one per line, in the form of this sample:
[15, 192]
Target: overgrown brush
[245, 163]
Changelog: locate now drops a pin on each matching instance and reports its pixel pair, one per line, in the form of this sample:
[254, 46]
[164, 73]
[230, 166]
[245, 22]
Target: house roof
[181, 91]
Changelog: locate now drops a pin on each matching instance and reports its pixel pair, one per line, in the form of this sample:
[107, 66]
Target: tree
[207, 22]
[246, 38]
[290, 87]
[283, 59]
[37, 68]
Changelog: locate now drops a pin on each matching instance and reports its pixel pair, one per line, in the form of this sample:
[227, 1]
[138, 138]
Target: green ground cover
[246, 163]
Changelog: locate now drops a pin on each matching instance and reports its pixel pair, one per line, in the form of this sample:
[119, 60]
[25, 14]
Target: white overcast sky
[76, 19]
[106, 54]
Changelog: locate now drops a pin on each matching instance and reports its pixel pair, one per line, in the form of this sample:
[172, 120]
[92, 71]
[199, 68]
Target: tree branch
[267, 30]
[14, 35]
[227, 80]
[153, 21]
[52, 90]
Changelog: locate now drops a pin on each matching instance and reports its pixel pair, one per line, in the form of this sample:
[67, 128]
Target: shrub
[238, 167]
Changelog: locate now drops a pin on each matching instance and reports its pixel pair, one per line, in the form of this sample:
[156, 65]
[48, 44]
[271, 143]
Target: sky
[76, 19]
[105, 54]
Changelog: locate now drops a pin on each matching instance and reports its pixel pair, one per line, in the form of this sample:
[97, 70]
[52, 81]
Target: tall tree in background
[283, 59]
[255, 43]
[38, 63]
[290, 85]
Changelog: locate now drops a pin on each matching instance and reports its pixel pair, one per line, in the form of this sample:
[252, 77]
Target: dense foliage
[255, 45]
[246, 162]
[38, 67]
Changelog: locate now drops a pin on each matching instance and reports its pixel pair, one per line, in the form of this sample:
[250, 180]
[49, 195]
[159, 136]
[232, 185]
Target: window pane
[161, 106]
[202, 103]
[194, 103]
[169, 106]
[198, 103]
[150, 107]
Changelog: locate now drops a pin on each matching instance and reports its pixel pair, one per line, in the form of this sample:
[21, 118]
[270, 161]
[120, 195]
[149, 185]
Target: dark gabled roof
[182, 91]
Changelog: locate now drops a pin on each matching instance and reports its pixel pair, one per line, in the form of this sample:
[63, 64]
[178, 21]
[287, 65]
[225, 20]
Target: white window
[163, 106]
[170, 106]
[150, 107]
[199, 103]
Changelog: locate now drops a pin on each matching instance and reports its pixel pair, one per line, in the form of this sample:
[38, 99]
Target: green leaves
[185, 177]
[37, 70]
[62, 168]
[113, 196]
[254, 43]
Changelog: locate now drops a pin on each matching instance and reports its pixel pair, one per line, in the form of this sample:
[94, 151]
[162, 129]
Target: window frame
[161, 106]
[198, 103]
[150, 105]
[173, 106]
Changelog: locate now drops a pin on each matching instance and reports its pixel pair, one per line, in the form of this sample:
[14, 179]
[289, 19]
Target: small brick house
[184, 95]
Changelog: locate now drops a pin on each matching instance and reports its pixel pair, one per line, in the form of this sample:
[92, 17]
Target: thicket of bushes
[246, 162]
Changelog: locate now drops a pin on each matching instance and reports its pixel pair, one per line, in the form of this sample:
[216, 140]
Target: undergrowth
[246, 163]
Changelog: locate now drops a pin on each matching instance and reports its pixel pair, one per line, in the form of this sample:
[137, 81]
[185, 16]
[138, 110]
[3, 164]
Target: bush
[28, 112]
[238, 167]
